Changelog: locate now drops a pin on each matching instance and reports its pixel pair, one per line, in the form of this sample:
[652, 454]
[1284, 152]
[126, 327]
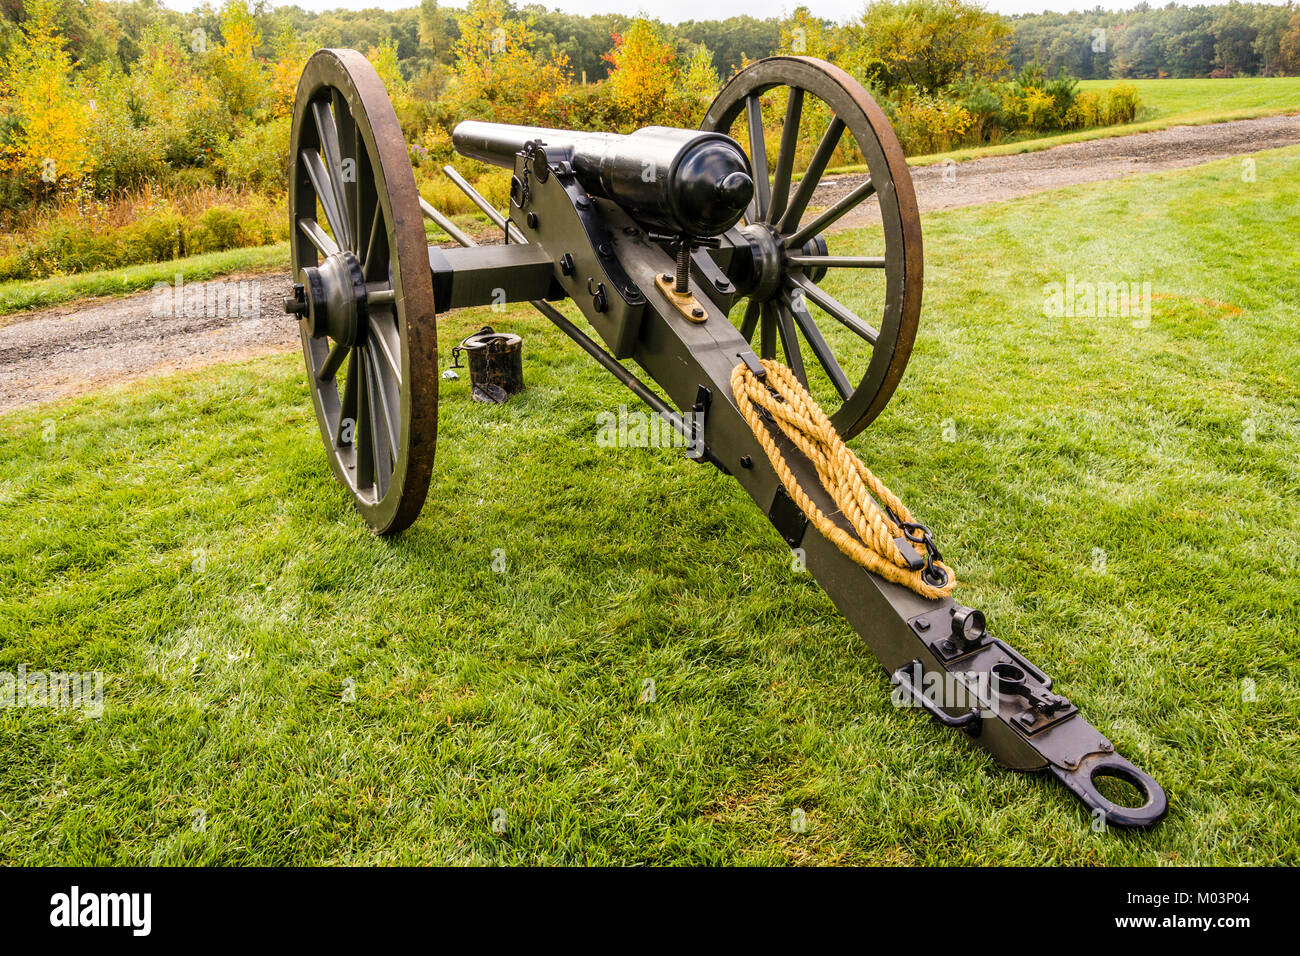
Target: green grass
[1165, 103]
[23, 294]
[184, 537]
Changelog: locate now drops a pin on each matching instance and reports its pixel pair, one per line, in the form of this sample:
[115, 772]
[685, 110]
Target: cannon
[659, 238]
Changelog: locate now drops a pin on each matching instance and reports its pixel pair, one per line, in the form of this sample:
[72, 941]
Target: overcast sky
[673, 11]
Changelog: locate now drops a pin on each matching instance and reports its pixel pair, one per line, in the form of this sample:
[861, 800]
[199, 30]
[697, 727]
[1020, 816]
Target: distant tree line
[1236, 39]
[1145, 41]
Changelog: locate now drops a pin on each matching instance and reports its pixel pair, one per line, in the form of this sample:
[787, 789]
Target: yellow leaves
[291, 56]
[931, 124]
[50, 145]
[1038, 106]
[644, 71]
[928, 44]
[498, 74]
[805, 35]
[238, 71]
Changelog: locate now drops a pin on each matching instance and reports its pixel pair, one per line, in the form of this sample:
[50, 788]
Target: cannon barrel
[683, 182]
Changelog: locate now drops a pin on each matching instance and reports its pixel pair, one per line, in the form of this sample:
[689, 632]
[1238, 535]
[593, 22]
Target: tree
[498, 76]
[291, 55]
[432, 31]
[643, 74]
[700, 79]
[806, 35]
[927, 45]
[51, 116]
[734, 39]
[1234, 46]
[239, 73]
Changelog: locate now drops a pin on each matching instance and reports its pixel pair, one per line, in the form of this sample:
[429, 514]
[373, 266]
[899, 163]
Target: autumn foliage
[112, 113]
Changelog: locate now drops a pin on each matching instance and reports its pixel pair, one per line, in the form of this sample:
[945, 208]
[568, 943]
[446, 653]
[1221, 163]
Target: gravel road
[82, 346]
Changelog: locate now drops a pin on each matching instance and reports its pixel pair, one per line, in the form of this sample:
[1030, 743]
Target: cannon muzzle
[684, 182]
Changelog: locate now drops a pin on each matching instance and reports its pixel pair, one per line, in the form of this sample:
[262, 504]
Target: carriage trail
[78, 347]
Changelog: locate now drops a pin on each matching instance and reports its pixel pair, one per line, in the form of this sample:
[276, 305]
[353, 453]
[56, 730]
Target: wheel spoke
[376, 420]
[320, 180]
[767, 335]
[383, 332]
[329, 368]
[363, 430]
[374, 234]
[318, 236]
[837, 262]
[785, 157]
[831, 215]
[818, 344]
[832, 307]
[348, 405]
[789, 341]
[383, 405]
[329, 144]
[751, 320]
[811, 176]
[757, 158]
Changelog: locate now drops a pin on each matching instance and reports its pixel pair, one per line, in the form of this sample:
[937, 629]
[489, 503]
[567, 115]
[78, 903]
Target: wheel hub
[771, 258]
[334, 298]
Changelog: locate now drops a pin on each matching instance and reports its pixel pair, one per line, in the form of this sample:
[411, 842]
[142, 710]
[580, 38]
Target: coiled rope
[844, 476]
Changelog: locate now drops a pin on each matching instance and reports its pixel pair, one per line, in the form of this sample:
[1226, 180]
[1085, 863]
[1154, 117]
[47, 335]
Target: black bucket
[496, 364]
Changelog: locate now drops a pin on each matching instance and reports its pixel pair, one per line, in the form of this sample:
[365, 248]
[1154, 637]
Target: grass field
[1165, 103]
[1211, 101]
[282, 687]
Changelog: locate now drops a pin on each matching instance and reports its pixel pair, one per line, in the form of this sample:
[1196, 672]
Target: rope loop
[875, 513]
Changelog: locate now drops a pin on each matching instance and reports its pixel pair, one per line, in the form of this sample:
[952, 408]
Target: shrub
[931, 124]
[1063, 91]
[221, 228]
[258, 157]
[984, 106]
[1039, 109]
[1122, 102]
[159, 237]
[127, 155]
[1087, 110]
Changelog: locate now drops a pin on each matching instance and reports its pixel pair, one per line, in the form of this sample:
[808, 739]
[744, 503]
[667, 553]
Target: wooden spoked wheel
[364, 290]
[856, 370]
